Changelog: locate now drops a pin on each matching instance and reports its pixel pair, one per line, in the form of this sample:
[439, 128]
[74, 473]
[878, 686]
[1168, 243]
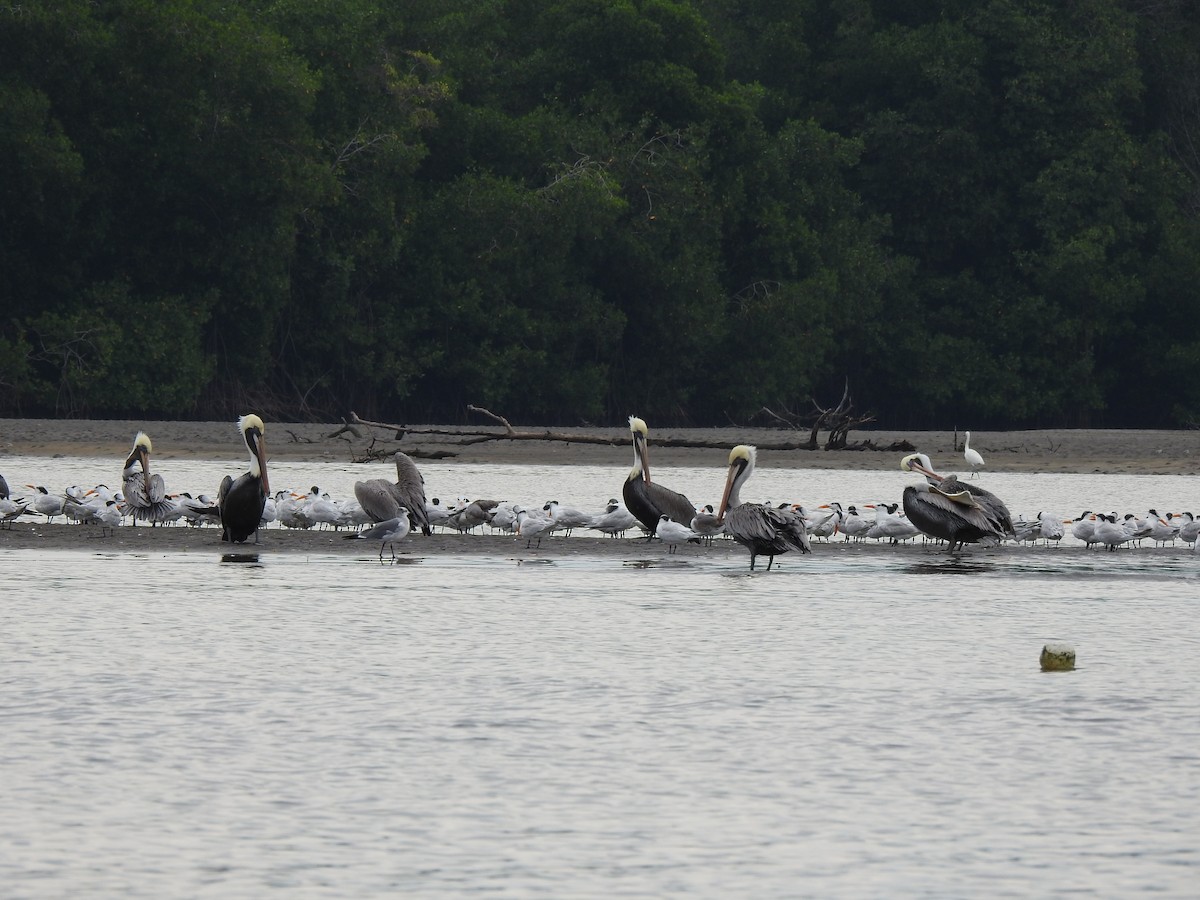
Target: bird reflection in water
[950, 565]
[244, 559]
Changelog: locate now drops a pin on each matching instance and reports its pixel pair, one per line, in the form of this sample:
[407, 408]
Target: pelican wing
[991, 505]
[765, 529]
[410, 491]
[378, 498]
[963, 498]
[672, 504]
[946, 517]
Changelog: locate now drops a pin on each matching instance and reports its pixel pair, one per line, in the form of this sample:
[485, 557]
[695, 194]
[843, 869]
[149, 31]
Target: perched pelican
[974, 460]
[242, 502]
[145, 494]
[3, 488]
[763, 530]
[944, 509]
[380, 499]
[992, 505]
[388, 533]
[648, 501]
[673, 534]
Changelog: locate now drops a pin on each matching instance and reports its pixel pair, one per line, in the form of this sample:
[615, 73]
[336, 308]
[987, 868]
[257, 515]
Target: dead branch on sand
[468, 436]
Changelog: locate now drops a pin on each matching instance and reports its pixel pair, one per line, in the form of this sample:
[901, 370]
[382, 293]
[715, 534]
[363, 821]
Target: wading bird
[241, 502]
[763, 530]
[388, 533]
[974, 460]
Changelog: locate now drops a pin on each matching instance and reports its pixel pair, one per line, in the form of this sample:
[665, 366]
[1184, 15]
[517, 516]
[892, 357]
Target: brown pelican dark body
[382, 500]
[242, 501]
[646, 500]
[763, 530]
[145, 494]
[952, 510]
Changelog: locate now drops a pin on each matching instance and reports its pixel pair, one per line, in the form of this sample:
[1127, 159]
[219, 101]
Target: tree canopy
[981, 211]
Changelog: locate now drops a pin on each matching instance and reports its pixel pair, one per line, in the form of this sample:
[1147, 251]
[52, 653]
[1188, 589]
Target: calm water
[850, 725]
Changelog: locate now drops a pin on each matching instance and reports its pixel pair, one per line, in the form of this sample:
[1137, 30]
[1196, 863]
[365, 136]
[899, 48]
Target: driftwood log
[465, 437]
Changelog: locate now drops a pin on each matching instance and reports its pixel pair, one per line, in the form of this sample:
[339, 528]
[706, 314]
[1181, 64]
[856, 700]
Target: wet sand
[1083, 451]
[634, 551]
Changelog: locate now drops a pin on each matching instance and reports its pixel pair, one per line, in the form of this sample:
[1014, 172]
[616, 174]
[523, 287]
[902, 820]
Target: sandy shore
[1084, 451]
[1105, 452]
[40, 535]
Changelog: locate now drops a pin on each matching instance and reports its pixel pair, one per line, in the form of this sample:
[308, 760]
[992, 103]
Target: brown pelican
[949, 510]
[242, 501]
[3, 488]
[992, 505]
[648, 501]
[381, 500]
[145, 494]
[764, 530]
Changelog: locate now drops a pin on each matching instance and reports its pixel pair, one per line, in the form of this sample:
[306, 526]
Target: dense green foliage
[980, 211]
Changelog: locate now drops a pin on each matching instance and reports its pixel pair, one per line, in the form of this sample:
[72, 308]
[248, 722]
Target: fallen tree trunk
[467, 436]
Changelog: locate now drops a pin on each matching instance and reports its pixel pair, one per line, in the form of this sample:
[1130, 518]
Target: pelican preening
[649, 501]
[947, 509]
[382, 500]
[242, 501]
[145, 494]
[763, 530]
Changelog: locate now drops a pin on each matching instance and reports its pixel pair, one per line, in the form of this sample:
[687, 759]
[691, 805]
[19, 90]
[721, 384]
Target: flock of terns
[938, 507]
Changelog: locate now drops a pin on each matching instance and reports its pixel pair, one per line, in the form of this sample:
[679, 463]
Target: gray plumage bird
[382, 500]
[763, 530]
[388, 533]
[145, 494]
